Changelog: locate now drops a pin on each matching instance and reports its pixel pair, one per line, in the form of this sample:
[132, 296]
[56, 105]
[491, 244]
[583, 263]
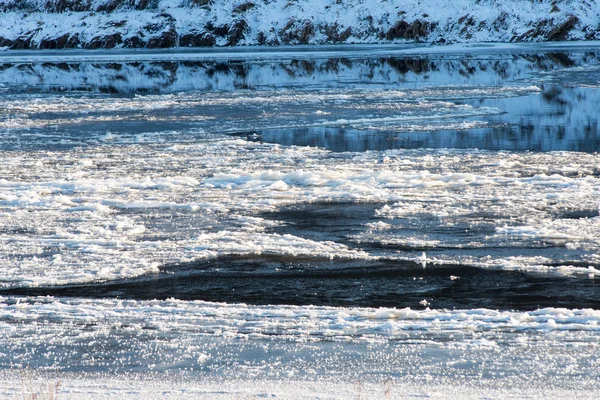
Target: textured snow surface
[210, 350]
[169, 23]
[288, 389]
[193, 319]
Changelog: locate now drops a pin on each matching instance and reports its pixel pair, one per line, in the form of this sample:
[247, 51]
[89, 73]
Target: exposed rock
[5, 42]
[109, 6]
[403, 30]
[73, 42]
[134, 42]
[136, 23]
[525, 36]
[153, 28]
[104, 42]
[162, 33]
[334, 35]
[501, 22]
[197, 39]
[547, 30]
[20, 44]
[25, 42]
[117, 24]
[593, 34]
[146, 4]
[242, 8]
[295, 32]
[59, 6]
[261, 38]
[59, 42]
[170, 19]
[237, 32]
[221, 30]
[468, 23]
[560, 32]
[199, 3]
[165, 40]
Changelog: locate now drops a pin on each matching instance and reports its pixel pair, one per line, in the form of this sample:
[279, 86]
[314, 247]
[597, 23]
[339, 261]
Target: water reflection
[338, 103]
[390, 72]
[507, 137]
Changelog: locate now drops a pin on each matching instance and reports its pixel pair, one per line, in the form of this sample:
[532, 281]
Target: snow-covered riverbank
[92, 24]
[110, 388]
[105, 349]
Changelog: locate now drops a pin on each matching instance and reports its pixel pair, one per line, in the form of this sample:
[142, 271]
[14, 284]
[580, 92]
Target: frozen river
[353, 221]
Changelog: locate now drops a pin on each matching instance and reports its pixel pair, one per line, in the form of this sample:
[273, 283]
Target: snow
[50, 190]
[308, 21]
[293, 348]
[299, 323]
[289, 389]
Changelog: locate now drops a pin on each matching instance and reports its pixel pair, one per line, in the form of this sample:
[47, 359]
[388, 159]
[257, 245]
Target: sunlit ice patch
[464, 328]
[115, 212]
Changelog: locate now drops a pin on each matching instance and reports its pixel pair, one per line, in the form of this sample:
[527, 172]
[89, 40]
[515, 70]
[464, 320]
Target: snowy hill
[47, 24]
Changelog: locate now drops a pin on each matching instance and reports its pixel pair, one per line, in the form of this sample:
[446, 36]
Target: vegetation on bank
[93, 24]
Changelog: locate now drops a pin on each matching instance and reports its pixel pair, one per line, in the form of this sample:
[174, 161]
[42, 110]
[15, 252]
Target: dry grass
[37, 390]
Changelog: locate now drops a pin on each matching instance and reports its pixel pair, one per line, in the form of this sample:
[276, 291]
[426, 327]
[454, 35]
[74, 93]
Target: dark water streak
[263, 280]
[301, 280]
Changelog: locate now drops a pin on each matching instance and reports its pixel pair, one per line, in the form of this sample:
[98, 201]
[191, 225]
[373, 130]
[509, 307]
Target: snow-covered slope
[32, 24]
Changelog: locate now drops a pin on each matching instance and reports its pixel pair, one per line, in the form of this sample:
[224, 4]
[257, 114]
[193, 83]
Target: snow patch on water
[305, 323]
[116, 224]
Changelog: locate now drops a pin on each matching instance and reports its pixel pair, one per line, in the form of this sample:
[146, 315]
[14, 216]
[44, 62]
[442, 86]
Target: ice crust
[118, 203]
[170, 318]
[75, 218]
[194, 344]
